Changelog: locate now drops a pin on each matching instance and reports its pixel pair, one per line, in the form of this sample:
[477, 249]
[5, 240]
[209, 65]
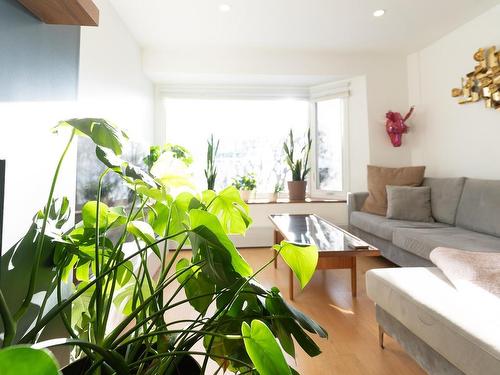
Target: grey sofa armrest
[355, 202]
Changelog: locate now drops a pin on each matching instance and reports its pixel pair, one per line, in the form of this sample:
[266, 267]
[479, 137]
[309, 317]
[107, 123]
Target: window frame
[314, 191]
[312, 94]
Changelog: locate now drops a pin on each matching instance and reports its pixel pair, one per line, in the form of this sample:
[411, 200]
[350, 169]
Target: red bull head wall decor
[396, 126]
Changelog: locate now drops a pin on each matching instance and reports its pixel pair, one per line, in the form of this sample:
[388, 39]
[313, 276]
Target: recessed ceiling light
[224, 8]
[379, 13]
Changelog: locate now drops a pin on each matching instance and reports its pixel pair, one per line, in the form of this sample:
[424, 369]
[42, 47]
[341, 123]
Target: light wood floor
[352, 346]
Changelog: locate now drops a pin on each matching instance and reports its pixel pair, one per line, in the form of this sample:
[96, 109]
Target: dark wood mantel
[64, 12]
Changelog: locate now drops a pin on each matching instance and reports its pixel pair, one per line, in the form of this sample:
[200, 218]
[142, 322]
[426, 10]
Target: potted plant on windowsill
[241, 325]
[278, 188]
[246, 186]
[299, 167]
[211, 170]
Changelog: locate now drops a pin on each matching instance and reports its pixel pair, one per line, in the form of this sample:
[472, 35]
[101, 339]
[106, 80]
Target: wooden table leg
[277, 240]
[381, 336]
[290, 285]
[354, 281]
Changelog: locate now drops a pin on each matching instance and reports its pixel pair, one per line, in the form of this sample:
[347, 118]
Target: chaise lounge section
[445, 331]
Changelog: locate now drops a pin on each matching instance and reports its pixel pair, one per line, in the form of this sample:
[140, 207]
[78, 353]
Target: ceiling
[335, 25]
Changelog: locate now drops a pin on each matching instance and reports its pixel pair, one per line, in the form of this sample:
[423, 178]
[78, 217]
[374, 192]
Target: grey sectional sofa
[446, 331]
[466, 213]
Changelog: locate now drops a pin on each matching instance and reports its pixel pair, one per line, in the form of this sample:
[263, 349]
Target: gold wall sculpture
[484, 82]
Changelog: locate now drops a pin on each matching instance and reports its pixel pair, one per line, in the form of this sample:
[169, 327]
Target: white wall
[112, 82]
[453, 139]
[111, 85]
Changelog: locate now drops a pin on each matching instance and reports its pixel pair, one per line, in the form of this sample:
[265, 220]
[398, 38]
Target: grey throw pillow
[409, 203]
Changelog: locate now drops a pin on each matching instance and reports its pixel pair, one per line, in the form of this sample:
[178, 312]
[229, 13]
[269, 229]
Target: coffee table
[338, 248]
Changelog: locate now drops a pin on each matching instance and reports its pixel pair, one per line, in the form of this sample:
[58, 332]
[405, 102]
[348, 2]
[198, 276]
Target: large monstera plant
[243, 326]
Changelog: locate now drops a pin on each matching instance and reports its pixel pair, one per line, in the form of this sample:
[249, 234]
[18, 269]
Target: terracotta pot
[297, 190]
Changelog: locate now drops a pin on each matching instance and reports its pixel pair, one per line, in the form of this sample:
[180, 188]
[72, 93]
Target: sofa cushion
[422, 241]
[422, 299]
[409, 203]
[479, 207]
[445, 196]
[382, 227]
[380, 177]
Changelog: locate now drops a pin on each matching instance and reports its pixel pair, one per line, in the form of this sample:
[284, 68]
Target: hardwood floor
[352, 346]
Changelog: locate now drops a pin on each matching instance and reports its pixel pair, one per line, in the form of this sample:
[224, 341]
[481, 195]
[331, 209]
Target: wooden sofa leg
[381, 336]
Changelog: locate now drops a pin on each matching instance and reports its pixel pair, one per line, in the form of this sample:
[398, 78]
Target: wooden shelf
[288, 201]
[64, 12]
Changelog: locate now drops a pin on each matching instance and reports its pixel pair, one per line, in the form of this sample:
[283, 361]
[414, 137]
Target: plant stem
[39, 245]
[98, 329]
[47, 318]
[8, 322]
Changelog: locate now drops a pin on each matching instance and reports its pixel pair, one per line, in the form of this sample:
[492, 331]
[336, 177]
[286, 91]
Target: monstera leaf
[100, 131]
[231, 210]
[144, 232]
[130, 173]
[287, 321]
[198, 288]
[206, 228]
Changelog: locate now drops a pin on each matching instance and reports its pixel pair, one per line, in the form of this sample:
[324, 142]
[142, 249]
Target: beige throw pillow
[469, 271]
[380, 177]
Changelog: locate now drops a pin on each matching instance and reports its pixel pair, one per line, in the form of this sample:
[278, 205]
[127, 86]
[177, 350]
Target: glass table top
[313, 230]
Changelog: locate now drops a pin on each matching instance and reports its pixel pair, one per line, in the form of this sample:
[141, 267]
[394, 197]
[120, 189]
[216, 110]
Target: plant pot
[246, 195]
[273, 197]
[297, 190]
[183, 365]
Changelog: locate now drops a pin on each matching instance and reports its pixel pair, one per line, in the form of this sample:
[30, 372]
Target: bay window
[251, 130]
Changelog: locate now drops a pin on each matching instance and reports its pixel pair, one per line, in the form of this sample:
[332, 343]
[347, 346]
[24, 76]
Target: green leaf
[302, 259]
[124, 273]
[227, 347]
[131, 173]
[284, 336]
[83, 271]
[143, 231]
[21, 360]
[159, 220]
[117, 216]
[80, 314]
[263, 349]
[100, 131]
[159, 194]
[197, 287]
[231, 210]
[305, 322]
[89, 211]
[124, 298]
[179, 219]
[284, 318]
[207, 226]
[59, 212]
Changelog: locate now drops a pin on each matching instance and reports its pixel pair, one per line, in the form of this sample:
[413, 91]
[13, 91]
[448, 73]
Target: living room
[249, 187]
